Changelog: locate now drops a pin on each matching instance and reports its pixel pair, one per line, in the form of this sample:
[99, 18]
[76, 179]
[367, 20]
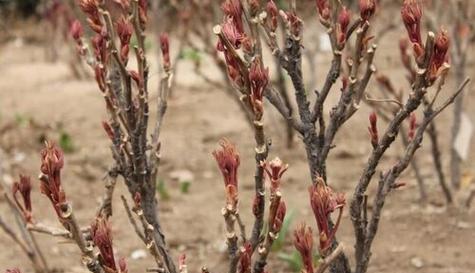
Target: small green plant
[21, 119]
[134, 43]
[66, 142]
[190, 54]
[162, 190]
[293, 260]
[185, 186]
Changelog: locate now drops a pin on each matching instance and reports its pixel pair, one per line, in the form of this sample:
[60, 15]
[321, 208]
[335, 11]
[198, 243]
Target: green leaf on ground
[66, 142]
[162, 190]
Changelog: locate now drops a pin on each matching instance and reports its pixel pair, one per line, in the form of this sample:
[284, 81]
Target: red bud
[411, 13]
[165, 47]
[367, 9]
[303, 242]
[373, 129]
[76, 30]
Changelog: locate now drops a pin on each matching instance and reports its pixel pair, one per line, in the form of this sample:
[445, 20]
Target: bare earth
[411, 238]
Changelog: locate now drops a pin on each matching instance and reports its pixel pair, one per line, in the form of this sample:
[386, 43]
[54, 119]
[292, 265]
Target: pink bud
[124, 31]
[411, 13]
[343, 23]
[138, 200]
[52, 161]
[228, 161]
[91, 10]
[303, 242]
[245, 258]
[76, 30]
[323, 9]
[24, 188]
[233, 9]
[143, 8]
[279, 217]
[441, 47]
[367, 9]
[259, 79]
[373, 129]
[102, 237]
[165, 47]
[323, 202]
[123, 265]
[273, 13]
[275, 169]
[182, 262]
[136, 77]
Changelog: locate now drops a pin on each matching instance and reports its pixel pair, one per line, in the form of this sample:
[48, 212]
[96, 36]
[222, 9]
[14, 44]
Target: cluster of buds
[24, 188]
[293, 23]
[99, 45]
[439, 57]
[252, 80]
[101, 41]
[324, 202]
[77, 31]
[323, 9]
[411, 13]
[275, 169]
[258, 79]
[303, 242]
[245, 258]
[102, 237]
[373, 129]
[52, 161]
[233, 9]
[234, 39]
[143, 16]
[91, 10]
[165, 48]
[279, 217]
[412, 126]
[367, 9]
[228, 161]
[124, 31]
[233, 27]
[272, 16]
[343, 22]
[232, 34]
